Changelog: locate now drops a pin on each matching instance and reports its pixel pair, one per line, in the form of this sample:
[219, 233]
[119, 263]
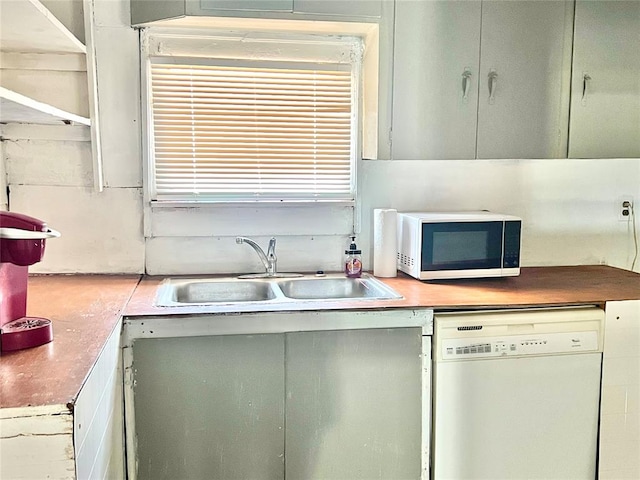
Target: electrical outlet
[624, 205]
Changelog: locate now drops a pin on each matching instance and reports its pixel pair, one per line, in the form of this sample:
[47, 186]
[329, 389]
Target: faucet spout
[269, 260]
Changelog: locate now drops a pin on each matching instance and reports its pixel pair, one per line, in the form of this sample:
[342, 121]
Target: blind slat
[251, 132]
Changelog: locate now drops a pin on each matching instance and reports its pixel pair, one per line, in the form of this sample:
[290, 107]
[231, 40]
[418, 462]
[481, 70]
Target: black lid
[353, 249]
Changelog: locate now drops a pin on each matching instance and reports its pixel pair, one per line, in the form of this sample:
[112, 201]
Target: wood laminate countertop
[535, 287]
[85, 309]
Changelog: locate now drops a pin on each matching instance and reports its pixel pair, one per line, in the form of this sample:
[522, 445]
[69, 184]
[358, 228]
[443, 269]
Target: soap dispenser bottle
[353, 260]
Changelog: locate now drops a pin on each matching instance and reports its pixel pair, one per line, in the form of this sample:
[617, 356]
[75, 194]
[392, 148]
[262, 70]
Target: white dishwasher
[517, 394]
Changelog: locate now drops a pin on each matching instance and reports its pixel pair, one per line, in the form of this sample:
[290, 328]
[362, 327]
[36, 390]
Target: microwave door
[461, 246]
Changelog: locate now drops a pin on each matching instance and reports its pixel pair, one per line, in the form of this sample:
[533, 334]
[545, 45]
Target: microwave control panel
[511, 258]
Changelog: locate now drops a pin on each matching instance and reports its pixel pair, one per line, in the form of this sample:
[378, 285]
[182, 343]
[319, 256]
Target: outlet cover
[624, 213]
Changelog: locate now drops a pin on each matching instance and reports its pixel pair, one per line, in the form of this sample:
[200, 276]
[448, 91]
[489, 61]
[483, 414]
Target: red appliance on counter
[22, 242]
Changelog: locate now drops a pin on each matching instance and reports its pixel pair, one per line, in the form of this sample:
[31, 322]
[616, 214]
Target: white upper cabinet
[605, 98]
[201, 7]
[356, 8]
[483, 79]
[435, 81]
[523, 106]
[147, 11]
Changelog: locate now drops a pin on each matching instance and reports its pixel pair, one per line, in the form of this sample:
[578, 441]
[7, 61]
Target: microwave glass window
[461, 246]
[456, 247]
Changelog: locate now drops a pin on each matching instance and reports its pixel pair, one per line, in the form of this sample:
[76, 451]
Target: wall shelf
[16, 108]
[28, 26]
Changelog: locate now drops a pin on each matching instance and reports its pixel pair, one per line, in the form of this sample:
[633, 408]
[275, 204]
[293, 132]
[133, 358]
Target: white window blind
[255, 131]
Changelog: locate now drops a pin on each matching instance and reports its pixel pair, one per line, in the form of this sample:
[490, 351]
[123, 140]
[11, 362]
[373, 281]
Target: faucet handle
[271, 251]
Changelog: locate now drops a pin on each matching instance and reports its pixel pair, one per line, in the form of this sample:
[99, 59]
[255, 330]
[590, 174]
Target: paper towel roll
[385, 243]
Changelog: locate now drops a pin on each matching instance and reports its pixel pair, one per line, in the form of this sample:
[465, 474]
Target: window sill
[191, 204]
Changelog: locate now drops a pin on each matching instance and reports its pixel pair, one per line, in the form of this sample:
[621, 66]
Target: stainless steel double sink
[211, 291]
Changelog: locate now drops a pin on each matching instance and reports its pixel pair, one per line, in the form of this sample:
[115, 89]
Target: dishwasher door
[517, 418]
[517, 394]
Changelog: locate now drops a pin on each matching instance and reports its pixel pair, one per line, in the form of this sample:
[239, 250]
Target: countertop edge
[100, 302]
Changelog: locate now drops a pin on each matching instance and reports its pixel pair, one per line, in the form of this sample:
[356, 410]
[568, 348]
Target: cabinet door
[353, 404]
[201, 7]
[605, 99]
[524, 79]
[435, 79]
[358, 8]
[619, 440]
[209, 407]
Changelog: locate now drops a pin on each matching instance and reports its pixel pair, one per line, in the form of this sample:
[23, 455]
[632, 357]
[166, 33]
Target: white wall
[49, 173]
[49, 169]
[568, 206]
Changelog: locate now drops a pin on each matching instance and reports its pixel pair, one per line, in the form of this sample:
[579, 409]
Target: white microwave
[443, 245]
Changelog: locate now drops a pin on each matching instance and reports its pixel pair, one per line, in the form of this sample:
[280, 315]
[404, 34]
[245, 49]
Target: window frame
[231, 45]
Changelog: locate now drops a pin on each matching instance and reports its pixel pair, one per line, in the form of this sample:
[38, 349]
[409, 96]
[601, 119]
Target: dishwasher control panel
[519, 345]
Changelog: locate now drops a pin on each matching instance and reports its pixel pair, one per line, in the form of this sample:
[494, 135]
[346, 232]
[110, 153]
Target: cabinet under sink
[321, 394]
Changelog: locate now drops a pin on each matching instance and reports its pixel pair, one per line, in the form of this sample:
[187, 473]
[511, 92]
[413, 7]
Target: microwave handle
[7, 233]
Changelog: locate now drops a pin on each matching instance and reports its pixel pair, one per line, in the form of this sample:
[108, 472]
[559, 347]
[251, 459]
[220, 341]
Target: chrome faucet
[269, 260]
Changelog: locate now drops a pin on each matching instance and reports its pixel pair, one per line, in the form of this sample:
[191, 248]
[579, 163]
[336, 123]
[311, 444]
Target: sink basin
[205, 292]
[176, 292]
[336, 288]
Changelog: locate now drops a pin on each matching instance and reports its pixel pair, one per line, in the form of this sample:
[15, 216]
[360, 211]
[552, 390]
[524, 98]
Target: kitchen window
[251, 117]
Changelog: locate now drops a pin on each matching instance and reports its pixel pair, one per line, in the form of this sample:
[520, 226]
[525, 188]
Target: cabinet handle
[493, 82]
[466, 84]
[585, 87]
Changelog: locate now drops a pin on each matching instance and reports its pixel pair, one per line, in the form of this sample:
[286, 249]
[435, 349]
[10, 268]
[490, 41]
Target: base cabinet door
[605, 93]
[353, 404]
[620, 396]
[333, 404]
[209, 407]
